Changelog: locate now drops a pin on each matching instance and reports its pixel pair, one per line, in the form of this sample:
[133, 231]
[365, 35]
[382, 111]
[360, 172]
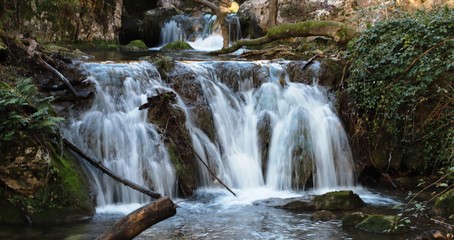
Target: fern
[24, 110]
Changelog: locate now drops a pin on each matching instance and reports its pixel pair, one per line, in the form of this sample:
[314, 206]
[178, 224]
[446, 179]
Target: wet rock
[300, 204]
[353, 218]
[383, 224]
[323, 216]
[444, 205]
[171, 121]
[339, 200]
[264, 130]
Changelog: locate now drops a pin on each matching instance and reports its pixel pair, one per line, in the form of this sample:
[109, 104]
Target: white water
[302, 119]
[116, 133]
[303, 123]
[171, 31]
[208, 39]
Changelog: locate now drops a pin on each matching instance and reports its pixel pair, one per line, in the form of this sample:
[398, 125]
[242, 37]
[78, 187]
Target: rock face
[42, 186]
[256, 12]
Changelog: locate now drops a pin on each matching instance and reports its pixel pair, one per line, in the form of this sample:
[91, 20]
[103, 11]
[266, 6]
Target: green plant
[24, 110]
[401, 85]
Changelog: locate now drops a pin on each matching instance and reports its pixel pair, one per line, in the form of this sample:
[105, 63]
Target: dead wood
[138, 221]
[105, 170]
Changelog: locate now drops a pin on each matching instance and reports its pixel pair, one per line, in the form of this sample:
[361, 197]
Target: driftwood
[336, 30]
[139, 220]
[105, 170]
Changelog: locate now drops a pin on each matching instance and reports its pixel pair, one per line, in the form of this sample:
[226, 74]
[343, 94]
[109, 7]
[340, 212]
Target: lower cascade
[269, 131]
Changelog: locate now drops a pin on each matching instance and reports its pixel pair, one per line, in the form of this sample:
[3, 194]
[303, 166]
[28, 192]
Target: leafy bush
[24, 111]
[401, 84]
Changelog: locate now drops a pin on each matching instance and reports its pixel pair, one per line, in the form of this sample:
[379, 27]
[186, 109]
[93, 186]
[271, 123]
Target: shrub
[401, 85]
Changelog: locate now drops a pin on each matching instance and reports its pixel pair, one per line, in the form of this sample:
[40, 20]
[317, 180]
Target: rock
[353, 218]
[134, 45]
[153, 21]
[131, 19]
[339, 200]
[255, 13]
[444, 205]
[44, 186]
[323, 216]
[177, 45]
[383, 224]
[300, 204]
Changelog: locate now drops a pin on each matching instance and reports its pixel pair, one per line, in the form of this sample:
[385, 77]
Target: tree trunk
[336, 30]
[221, 12]
[272, 17]
[138, 221]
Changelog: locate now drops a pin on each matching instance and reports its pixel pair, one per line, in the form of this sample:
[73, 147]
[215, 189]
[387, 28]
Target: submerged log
[105, 170]
[139, 220]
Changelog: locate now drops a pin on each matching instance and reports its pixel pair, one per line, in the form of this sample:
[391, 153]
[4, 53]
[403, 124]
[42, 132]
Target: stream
[116, 132]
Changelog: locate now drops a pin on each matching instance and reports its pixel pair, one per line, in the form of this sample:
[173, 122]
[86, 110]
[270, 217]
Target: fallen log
[339, 32]
[139, 220]
[105, 170]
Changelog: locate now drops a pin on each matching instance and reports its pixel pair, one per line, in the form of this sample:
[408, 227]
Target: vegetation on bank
[401, 89]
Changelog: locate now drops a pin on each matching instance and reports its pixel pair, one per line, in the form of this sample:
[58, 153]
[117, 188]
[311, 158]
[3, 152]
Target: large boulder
[353, 218]
[384, 224]
[131, 20]
[339, 200]
[444, 205]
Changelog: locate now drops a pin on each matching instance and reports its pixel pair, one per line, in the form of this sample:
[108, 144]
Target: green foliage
[401, 84]
[23, 110]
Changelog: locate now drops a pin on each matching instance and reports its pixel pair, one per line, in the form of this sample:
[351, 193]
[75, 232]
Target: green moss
[177, 45]
[444, 205]
[353, 218]
[135, 45]
[382, 224]
[339, 200]
[65, 197]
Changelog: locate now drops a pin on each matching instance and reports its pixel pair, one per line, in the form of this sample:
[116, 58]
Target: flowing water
[208, 37]
[305, 137]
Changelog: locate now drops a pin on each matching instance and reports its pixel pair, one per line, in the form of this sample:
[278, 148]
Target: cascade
[306, 135]
[115, 132]
[208, 37]
[171, 31]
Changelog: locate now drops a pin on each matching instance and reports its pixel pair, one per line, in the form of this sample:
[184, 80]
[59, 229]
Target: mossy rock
[323, 216]
[177, 45]
[444, 205]
[353, 218]
[339, 200]
[135, 45]
[384, 224]
[60, 193]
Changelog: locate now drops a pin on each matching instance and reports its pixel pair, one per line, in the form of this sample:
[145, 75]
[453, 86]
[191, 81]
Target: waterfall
[116, 133]
[207, 37]
[171, 31]
[270, 131]
[306, 136]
